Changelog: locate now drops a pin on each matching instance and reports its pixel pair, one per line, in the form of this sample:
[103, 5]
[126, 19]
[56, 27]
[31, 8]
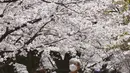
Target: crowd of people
[70, 63]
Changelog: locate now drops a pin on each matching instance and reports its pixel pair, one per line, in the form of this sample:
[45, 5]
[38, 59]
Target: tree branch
[17, 28]
[35, 20]
[2, 14]
[8, 1]
[45, 1]
[55, 41]
[10, 31]
[36, 34]
[17, 40]
[61, 4]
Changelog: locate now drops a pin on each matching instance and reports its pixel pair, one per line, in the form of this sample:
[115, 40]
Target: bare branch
[45, 1]
[55, 41]
[17, 28]
[31, 39]
[36, 34]
[35, 20]
[10, 31]
[8, 1]
[51, 62]
[61, 4]
[1, 15]
[17, 40]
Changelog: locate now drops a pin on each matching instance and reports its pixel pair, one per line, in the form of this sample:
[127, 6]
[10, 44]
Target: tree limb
[10, 31]
[8, 1]
[35, 21]
[36, 34]
[17, 40]
[61, 4]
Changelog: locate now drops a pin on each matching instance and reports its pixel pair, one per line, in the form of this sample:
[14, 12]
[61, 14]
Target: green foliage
[109, 11]
[120, 7]
[128, 1]
[124, 5]
[123, 45]
[126, 20]
[123, 34]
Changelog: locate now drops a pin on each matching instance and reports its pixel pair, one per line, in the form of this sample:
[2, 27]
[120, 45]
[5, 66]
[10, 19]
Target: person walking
[74, 65]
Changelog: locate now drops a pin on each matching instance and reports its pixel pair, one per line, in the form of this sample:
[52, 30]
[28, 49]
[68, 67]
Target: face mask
[72, 67]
